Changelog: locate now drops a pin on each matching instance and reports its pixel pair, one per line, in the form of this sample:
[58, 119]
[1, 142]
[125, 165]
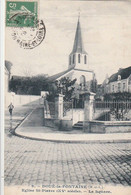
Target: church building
[78, 67]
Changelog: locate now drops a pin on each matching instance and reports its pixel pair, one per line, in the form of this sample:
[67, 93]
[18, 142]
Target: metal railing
[67, 108]
[113, 110]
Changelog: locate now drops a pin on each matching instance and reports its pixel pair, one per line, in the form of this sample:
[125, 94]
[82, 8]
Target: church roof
[124, 73]
[78, 43]
[62, 74]
[56, 76]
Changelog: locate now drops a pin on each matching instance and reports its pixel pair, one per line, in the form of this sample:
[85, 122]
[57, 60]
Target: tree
[119, 105]
[93, 85]
[27, 71]
[63, 86]
[120, 110]
[29, 85]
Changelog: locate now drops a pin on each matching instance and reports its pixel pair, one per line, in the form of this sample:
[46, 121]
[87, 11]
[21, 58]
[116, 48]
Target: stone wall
[19, 100]
[107, 126]
[58, 124]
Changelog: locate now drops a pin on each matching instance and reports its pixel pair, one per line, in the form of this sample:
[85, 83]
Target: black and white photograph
[67, 97]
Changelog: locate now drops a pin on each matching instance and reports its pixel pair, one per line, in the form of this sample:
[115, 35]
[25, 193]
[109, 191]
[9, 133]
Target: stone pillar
[59, 106]
[88, 106]
[88, 110]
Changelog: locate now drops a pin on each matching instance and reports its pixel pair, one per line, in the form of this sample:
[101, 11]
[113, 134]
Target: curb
[75, 141]
[64, 141]
[21, 122]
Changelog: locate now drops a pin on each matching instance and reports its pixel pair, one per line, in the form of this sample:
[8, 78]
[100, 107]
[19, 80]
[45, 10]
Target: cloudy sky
[106, 30]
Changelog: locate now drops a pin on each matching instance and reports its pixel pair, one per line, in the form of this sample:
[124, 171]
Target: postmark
[21, 13]
[29, 38]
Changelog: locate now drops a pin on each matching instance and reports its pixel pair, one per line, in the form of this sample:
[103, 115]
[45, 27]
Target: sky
[106, 32]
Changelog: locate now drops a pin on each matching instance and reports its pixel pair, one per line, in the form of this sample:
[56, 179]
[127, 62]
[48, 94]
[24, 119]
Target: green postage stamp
[21, 13]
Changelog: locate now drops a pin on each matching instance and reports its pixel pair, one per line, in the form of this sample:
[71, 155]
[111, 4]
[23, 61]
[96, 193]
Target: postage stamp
[21, 13]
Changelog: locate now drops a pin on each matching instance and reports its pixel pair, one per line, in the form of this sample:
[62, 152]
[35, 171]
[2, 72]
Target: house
[118, 82]
[99, 92]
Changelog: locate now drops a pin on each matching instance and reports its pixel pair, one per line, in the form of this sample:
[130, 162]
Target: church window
[73, 58]
[82, 80]
[79, 58]
[85, 59]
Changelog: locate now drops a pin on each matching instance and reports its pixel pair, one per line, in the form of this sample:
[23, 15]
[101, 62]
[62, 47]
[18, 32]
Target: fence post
[59, 106]
[88, 110]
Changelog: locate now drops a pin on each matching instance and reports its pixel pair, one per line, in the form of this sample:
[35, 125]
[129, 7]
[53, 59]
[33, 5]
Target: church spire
[78, 43]
[78, 57]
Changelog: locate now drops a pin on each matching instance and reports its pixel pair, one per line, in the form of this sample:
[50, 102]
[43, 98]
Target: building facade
[78, 67]
[118, 82]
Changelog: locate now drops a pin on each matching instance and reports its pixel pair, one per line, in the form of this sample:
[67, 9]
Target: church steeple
[78, 56]
[78, 43]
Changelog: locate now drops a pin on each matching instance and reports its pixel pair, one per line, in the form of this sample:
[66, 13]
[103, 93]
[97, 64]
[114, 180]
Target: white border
[2, 55]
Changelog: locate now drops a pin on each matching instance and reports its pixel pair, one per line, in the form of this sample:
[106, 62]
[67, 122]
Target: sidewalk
[18, 115]
[32, 127]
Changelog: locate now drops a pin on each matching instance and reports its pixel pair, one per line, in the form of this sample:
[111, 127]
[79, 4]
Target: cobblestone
[29, 162]
[37, 162]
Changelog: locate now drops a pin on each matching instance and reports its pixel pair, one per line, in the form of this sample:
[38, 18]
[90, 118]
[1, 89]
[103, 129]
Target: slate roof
[124, 73]
[56, 76]
[78, 43]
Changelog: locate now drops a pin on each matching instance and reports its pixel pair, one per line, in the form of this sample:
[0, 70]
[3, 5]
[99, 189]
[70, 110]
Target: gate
[74, 110]
[68, 109]
[78, 103]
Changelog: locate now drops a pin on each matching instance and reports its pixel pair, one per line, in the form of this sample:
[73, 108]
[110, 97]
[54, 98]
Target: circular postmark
[29, 37]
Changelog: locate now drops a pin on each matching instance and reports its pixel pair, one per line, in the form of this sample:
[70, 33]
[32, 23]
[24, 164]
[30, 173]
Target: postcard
[67, 97]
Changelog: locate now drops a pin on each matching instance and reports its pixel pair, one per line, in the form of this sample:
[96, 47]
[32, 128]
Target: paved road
[38, 162]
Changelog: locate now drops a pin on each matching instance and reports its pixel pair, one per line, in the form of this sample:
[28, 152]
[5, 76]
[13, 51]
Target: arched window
[70, 60]
[79, 58]
[82, 80]
[73, 58]
[85, 59]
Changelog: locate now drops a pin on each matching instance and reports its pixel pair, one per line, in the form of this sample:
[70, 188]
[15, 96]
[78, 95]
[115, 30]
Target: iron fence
[67, 108]
[113, 110]
[103, 110]
[78, 103]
